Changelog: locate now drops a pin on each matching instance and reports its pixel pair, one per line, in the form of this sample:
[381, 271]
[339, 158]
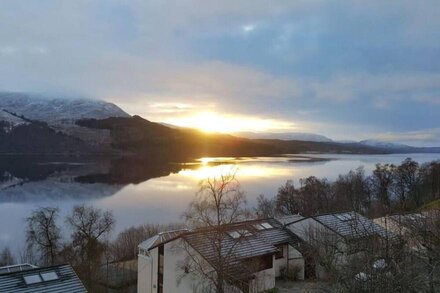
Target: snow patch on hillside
[57, 109]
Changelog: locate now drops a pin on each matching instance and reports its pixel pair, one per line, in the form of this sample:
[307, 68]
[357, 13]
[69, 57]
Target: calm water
[149, 191]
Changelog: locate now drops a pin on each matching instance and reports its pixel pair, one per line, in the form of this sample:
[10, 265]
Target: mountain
[57, 110]
[61, 113]
[36, 124]
[301, 136]
[384, 144]
[397, 147]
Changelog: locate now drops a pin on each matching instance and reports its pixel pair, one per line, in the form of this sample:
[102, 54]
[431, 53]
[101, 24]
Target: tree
[315, 196]
[6, 257]
[125, 246]
[423, 234]
[90, 226]
[353, 191]
[219, 202]
[407, 180]
[266, 207]
[382, 182]
[43, 234]
[287, 201]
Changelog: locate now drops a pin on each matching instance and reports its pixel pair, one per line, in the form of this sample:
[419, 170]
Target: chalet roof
[239, 242]
[55, 279]
[351, 225]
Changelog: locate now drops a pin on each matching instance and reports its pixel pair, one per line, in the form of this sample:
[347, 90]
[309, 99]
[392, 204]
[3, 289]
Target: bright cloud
[215, 122]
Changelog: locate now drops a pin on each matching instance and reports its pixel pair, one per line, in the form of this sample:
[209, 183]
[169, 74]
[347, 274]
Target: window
[160, 267]
[32, 279]
[266, 225]
[345, 217]
[260, 263]
[239, 233]
[49, 276]
[280, 253]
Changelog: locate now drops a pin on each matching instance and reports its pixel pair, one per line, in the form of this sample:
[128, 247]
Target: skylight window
[49, 276]
[345, 217]
[259, 227]
[266, 225]
[32, 279]
[238, 234]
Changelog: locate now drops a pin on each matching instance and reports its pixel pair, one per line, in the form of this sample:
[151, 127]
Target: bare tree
[125, 246]
[353, 191]
[406, 184]
[6, 257]
[382, 182]
[90, 226]
[266, 207]
[219, 202]
[44, 234]
[287, 201]
[315, 196]
[423, 234]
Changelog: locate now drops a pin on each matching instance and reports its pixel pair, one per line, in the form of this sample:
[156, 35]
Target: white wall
[264, 280]
[175, 278]
[278, 264]
[296, 259]
[147, 272]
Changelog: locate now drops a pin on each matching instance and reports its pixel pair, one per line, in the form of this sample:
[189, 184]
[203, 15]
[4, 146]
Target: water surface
[150, 191]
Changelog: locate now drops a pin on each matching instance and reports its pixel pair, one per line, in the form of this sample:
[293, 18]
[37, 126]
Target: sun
[212, 122]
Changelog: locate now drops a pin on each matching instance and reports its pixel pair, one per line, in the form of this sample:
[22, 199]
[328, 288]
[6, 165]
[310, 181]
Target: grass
[431, 205]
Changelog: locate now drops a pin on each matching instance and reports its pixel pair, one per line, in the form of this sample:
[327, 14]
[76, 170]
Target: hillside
[139, 136]
[24, 136]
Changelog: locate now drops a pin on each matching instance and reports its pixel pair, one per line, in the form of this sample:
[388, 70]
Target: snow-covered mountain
[302, 136]
[383, 144]
[8, 121]
[56, 110]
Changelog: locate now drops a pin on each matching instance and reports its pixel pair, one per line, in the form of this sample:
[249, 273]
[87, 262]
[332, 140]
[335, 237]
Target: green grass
[431, 205]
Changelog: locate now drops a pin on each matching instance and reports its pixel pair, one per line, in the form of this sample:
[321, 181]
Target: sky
[344, 69]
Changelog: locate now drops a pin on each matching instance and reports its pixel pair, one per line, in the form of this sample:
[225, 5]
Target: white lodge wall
[264, 280]
[296, 261]
[147, 272]
[175, 278]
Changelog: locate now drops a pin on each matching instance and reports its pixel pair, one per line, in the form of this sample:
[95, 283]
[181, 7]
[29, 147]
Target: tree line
[389, 189]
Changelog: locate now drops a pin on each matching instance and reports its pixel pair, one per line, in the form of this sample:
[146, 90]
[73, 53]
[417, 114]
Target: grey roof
[160, 238]
[64, 280]
[255, 238]
[351, 225]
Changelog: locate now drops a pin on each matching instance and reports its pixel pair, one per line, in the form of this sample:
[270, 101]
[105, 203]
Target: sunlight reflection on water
[163, 199]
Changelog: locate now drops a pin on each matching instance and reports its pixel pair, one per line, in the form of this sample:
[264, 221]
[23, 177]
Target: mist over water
[148, 191]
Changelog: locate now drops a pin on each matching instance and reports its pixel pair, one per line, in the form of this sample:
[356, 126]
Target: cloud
[319, 65]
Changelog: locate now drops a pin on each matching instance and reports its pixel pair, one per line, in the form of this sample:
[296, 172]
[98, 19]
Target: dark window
[160, 267]
[261, 263]
[280, 253]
